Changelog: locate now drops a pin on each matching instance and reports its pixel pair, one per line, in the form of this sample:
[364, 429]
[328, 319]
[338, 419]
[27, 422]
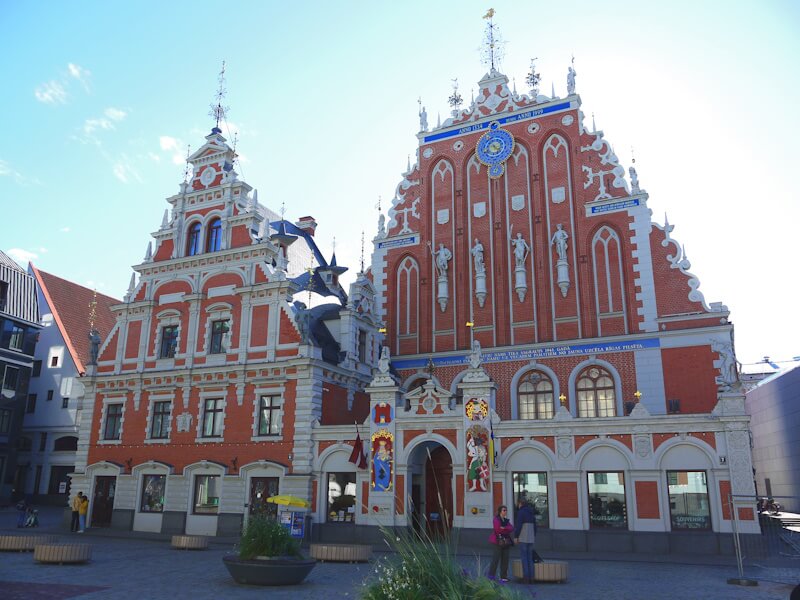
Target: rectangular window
[42, 442]
[607, 500]
[218, 331]
[113, 422]
[206, 494]
[159, 428]
[31, 406]
[37, 368]
[533, 487]
[341, 497]
[3, 299]
[49, 395]
[153, 487]
[65, 403]
[362, 346]
[688, 500]
[54, 360]
[10, 379]
[17, 337]
[169, 341]
[212, 418]
[5, 421]
[269, 415]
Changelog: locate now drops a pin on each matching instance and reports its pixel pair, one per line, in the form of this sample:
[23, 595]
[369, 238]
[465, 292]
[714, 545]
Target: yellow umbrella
[286, 500]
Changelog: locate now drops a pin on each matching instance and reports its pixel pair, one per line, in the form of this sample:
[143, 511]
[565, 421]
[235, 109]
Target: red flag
[362, 461]
[357, 455]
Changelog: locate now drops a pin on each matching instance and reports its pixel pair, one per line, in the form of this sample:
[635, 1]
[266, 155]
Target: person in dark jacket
[525, 537]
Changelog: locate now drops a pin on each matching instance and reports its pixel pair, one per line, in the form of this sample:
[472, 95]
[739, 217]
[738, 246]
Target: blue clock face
[494, 148]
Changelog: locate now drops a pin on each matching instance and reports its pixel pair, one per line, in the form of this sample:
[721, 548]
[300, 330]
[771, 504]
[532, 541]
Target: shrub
[266, 537]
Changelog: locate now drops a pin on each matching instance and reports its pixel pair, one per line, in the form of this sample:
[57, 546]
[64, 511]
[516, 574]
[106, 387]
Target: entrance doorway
[103, 502]
[262, 488]
[431, 474]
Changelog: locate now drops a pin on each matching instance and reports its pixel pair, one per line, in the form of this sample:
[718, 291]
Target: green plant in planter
[266, 537]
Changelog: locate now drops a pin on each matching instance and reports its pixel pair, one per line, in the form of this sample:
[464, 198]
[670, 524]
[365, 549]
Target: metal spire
[188, 167]
[362, 250]
[93, 311]
[218, 111]
[492, 50]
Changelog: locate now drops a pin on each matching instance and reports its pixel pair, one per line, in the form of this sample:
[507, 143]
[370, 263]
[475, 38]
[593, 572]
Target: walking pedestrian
[76, 506]
[22, 507]
[83, 509]
[525, 536]
[501, 539]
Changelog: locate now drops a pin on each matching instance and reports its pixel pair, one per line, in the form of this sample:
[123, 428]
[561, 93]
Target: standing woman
[82, 510]
[501, 538]
[525, 536]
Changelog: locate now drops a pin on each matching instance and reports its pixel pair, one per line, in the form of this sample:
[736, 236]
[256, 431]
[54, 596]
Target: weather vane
[455, 100]
[187, 168]
[533, 79]
[493, 43]
[362, 250]
[93, 311]
[218, 111]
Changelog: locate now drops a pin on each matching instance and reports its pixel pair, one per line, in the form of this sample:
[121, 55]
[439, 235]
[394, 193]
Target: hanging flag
[357, 455]
[492, 449]
[362, 460]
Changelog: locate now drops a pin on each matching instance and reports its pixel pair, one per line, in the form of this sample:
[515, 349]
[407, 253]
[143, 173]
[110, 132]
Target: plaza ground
[124, 566]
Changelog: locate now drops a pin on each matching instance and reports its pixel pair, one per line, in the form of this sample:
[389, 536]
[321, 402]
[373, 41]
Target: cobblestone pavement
[144, 569]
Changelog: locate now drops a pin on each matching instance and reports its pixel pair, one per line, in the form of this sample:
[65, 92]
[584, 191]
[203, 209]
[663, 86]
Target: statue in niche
[559, 240]
[94, 346]
[383, 361]
[475, 355]
[634, 180]
[477, 253]
[443, 256]
[521, 250]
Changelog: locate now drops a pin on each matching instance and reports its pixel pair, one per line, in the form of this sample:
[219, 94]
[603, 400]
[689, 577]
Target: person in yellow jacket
[82, 510]
[76, 505]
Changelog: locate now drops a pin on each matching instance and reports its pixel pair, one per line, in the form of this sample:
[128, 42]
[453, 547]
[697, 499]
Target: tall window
[17, 337]
[206, 494]
[607, 508]
[341, 497]
[214, 240]
[5, 420]
[596, 396]
[535, 395]
[153, 493]
[31, 403]
[212, 418]
[37, 368]
[218, 331]
[169, 341]
[10, 382]
[688, 500]
[113, 422]
[269, 413]
[362, 346]
[533, 487]
[193, 241]
[159, 428]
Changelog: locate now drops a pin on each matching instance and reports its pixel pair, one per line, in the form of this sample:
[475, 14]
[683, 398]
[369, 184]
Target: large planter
[271, 571]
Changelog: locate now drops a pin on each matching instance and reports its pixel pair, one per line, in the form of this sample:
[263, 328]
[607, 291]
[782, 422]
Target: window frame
[6, 416]
[598, 523]
[593, 402]
[17, 334]
[214, 235]
[216, 342]
[193, 241]
[275, 409]
[330, 502]
[535, 396]
[30, 404]
[672, 519]
[196, 490]
[117, 419]
[144, 484]
[13, 385]
[542, 508]
[168, 346]
[217, 413]
[158, 418]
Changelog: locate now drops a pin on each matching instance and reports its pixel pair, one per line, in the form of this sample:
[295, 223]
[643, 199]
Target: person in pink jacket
[501, 539]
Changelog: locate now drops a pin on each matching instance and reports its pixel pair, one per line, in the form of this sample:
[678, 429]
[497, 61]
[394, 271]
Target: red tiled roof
[69, 303]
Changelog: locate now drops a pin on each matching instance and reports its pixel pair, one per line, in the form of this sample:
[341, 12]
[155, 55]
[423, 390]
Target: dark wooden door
[262, 488]
[103, 503]
[439, 492]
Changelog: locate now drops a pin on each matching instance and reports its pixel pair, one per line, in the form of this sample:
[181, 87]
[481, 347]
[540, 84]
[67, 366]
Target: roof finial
[283, 210]
[571, 78]
[378, 205]
[455, 99]
[633, 158]
[187, 169]
[594, 127]
[493, 44]
[93, 311]
[218, 111]
[532, 80]
[362, 250]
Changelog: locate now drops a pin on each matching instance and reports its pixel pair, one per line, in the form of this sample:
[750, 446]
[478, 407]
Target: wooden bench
[62, 553]
[351, 553]
[23, 543]
[190, 542]
[554, 570]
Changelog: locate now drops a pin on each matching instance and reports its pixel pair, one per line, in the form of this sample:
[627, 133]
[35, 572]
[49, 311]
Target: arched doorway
[431, 493]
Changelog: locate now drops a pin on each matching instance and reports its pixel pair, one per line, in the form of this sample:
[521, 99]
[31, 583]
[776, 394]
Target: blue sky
[101, 98]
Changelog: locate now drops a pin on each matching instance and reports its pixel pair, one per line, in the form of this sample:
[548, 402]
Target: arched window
[65, 444]
[214, 238]
[535, 393]
[193, 240]
[596, 395]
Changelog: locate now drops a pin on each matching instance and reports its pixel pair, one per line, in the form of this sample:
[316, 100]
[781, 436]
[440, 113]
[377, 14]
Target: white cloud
[64, 229]
[173, 146]
[23, 257]
[92, 125]
[79, 73]
[167, 142]
[6, 170]
[43, 250]
[115, 114]
[124, 171]
[51, 92]
[154, 157]
[95, 285]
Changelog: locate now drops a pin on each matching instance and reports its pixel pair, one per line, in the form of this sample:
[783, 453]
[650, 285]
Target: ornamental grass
[266, 537]
[423, 568]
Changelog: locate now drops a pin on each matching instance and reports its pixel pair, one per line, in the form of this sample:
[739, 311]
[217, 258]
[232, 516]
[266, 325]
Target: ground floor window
[533, 487]
[688, 500]
[206, 494]
[341, 497]
[607, 508]
[153, 487]
[59, 480]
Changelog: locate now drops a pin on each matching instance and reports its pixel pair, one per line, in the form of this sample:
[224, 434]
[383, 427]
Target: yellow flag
[489, 14]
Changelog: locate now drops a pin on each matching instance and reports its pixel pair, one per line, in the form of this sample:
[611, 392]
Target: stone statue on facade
[302, 318]
[443, 256]
[559, 240]
[383, 361]
[521, 250]
[475, 355]
[634, 180]
[571, 81]
[477, 253]
[729, 366]
[423, 120]
[94, 346]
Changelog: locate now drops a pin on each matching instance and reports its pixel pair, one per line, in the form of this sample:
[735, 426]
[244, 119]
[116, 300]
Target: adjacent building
[19, 330]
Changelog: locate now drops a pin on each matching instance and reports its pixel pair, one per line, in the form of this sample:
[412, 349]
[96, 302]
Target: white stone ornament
[427, 153]
[441, 256]
[208, 175]
[533, 127]
[458, 146]
[443, 216]
[558, 195]
[567, 120]
[479, 209]
[559, 240]
[521, 251]
[480, 272]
